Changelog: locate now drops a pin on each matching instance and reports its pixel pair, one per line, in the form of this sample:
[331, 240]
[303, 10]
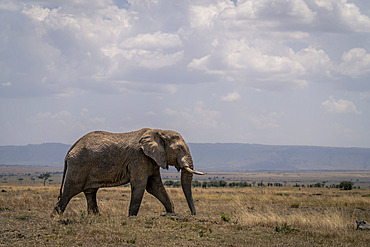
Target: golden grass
[258, 217]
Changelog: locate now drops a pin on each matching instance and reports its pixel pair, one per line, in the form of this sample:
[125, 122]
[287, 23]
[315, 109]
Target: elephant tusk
[193, 171]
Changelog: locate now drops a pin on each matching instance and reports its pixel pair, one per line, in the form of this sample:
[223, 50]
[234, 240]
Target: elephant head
[166, 148]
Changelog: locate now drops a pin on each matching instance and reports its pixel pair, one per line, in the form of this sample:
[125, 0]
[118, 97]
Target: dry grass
[258, 216]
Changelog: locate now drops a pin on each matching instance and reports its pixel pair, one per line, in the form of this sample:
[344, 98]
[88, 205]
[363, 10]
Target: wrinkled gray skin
[103, 159]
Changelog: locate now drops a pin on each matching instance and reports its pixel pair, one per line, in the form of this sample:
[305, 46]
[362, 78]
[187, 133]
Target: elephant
[103, 159]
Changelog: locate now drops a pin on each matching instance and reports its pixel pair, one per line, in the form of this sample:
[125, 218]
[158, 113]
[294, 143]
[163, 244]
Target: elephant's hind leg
[68, 192]
[137, 192]
[61, 204]
[92, 206]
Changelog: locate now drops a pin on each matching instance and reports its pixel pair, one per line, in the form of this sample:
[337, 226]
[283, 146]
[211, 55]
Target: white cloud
[283, 11]
[8, 5]
[355, 62]
[6, 84]
[148, 41]
[351, 16]
[318, 15]
[204, 16]
[155, 55]
[151, 59]
[314, 62]
[231, 97]
[338, 16]
[37, 13]
[198, 115]
[257, 47]
[71, 92]
[65, 120]
[246, 42]
[61, 117]
[169, 111]
[236, 60]
[148, 50]
[266, 120]
[339, 106]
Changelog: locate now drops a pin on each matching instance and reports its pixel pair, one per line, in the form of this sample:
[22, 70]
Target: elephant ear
[153, 146]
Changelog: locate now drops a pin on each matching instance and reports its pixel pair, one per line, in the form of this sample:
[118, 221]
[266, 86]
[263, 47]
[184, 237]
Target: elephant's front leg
[137, 192]
[156, 188]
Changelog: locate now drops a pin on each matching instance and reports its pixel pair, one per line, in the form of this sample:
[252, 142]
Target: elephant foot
[53, 214]
[93, 211]
[56, 212]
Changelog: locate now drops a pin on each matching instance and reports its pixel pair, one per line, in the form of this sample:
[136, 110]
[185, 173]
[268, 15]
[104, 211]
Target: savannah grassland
[253, 216]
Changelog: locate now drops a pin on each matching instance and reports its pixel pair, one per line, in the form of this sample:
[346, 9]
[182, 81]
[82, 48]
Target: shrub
[284, 228]
[224, 217]
[346, 185]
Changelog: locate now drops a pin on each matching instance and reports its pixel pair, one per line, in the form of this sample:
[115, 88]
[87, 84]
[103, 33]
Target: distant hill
[220, 156]
[51, 154]
[239, 157]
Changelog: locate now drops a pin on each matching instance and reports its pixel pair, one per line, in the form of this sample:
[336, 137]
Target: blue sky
[290, 72]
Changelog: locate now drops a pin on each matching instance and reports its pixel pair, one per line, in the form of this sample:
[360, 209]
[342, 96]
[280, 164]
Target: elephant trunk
[186, 178]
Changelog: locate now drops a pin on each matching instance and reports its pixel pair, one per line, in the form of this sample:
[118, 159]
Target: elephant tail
[64, 175]
[65, 169]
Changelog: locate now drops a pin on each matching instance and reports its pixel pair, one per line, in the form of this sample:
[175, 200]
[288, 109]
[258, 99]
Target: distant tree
[245, 184]
[232, 184]
[223, 183]
[261, 184]
[318, 185]
[278, 184]
[346, 185]
[204, 185]
[196, 184]
[177, 184]
[45, 177]
[20, 180]
[169, 183]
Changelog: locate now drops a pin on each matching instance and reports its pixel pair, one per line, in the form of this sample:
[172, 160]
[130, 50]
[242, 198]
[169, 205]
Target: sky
[278, 72]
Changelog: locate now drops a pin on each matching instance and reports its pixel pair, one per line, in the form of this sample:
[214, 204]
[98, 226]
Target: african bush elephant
[103, 159]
